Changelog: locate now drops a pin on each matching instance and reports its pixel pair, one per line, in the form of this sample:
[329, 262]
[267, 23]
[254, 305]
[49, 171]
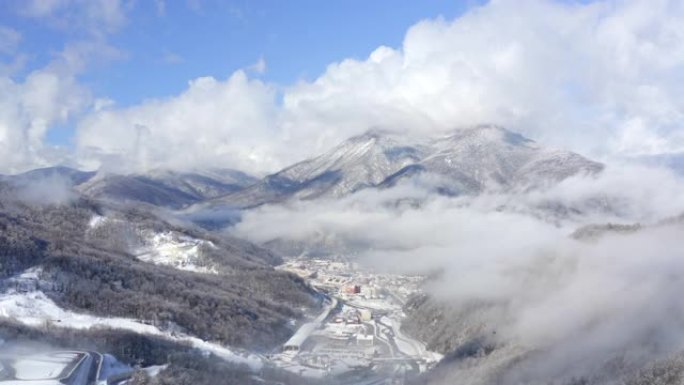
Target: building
[365, 315]
[365, 340]
[352, 289]
[296, 342]
[370, 292]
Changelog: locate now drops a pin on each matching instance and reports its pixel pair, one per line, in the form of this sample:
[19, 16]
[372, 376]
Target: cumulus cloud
[213, 123]
[33, 103]
[52, 95]
[601, 78]
[28, 109]
[596, 77]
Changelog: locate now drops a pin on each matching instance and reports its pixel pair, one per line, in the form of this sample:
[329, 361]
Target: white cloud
[603, 79]
[570, 306]
[213, 123]
[34, 102]
[172, 58]
[28, 109]
[576, 75]
[9, 40]
[47, 96]
[259, 67]
[96, 17]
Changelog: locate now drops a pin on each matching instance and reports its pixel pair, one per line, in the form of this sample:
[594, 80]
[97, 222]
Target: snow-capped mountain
[470, 161]
[165, 188]
[71, 176]
[362, 161]
[491, 158]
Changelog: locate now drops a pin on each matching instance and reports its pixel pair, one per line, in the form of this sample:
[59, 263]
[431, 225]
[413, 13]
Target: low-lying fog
[580, 301]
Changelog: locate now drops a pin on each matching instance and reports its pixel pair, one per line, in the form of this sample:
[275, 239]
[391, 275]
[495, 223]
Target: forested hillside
[91, 268]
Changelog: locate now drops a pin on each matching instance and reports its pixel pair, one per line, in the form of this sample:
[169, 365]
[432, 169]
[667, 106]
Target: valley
[189, 272]
[358, 338]
[441, 192]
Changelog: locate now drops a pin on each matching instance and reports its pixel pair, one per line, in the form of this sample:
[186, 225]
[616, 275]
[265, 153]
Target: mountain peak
[489, 133]
[373, 133]
[468, 161]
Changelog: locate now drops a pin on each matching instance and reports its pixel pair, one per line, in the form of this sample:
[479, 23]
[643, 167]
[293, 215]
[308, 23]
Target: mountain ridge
[468, 161]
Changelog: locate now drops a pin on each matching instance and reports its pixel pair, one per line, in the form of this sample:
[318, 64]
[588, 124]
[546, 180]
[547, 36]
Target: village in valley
[357, 338]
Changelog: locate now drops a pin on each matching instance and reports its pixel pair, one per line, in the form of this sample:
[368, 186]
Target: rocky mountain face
[470, 161]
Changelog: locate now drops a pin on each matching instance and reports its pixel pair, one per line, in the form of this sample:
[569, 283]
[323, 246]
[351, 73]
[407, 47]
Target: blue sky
[80, 80]
[161, 46]
[297, 39]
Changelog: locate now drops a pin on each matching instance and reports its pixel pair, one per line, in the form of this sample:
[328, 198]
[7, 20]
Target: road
[95, 367]
[87, 371]
[330, 306]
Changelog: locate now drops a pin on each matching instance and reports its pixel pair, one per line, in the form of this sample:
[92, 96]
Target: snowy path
[36, 309]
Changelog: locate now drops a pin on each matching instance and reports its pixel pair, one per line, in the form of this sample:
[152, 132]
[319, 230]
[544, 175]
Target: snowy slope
[360, 162]
[469, 161]
[34, 308]
[491, 158]
[164, 187]
[175, 250]
[73, 176]
[166, 247]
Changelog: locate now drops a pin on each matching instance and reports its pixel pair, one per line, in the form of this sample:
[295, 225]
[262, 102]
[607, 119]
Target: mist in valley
[508, 175]
[541, 275]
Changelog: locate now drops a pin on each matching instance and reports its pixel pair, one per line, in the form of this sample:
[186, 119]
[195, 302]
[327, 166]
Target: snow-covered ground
[167, 248]
[96, 221]
[408, 345]
[374, 304]
[43, 366]
[178, 251]
[111, 367]
[27, 281]
[34, 308]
